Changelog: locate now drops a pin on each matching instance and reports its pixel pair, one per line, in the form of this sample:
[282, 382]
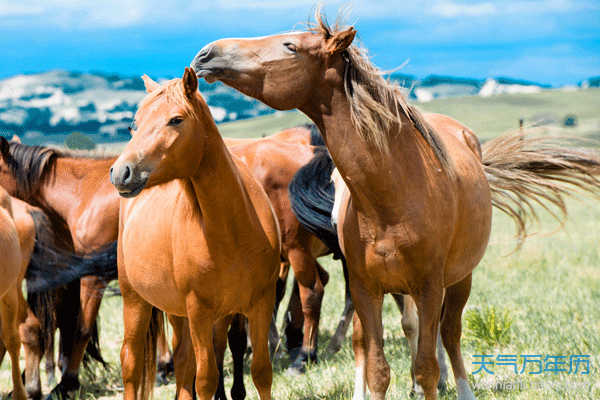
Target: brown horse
[201, 241]
[418, 217]
[13, 264]
[77, 196]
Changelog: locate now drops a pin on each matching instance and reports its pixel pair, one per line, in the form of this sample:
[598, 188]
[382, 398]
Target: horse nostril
[127, 175]
[110, 175]
[204, 54]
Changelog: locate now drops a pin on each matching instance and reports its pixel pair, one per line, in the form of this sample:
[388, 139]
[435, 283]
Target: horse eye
[290, 47]
[175, 121]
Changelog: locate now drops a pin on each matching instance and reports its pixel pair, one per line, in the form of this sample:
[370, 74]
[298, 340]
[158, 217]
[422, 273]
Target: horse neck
[382, 182]
[219, 188]
[61, 193]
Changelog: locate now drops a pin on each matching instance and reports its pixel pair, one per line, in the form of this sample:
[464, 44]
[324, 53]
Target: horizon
[550, 42]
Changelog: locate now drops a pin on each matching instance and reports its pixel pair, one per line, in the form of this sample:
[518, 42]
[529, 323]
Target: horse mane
[29, 165]
[173, 90]
[376, 103]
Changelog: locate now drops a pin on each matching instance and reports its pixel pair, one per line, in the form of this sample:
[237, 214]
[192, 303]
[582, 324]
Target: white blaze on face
[340, 188]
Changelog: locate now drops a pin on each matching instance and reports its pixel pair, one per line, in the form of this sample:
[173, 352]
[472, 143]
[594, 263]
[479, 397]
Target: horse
[418, 217]
[11, 270]
[214, 251]
[75, 193]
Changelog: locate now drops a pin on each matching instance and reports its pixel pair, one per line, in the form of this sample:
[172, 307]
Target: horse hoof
[67, 384]
[238, 393]
[298, 367]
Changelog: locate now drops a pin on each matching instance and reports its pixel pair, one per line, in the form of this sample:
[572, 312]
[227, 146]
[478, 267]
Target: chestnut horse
[274, 161]
[77, 196]
[418, 217]
[198, 237]
[12, 269]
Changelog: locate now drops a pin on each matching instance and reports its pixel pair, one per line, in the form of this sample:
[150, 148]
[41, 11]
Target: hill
[46, 107]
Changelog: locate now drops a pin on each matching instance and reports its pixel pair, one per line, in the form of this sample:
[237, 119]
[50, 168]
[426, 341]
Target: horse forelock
[174, 94]
[29, 166]
[376, 103]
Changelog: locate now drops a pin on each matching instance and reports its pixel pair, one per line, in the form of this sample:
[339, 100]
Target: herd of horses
[204, 229]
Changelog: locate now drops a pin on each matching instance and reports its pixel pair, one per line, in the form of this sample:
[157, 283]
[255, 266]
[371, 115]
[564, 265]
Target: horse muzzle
[208, 63]
[127, 182]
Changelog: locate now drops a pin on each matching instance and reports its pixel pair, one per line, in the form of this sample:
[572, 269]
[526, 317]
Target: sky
[554, 42]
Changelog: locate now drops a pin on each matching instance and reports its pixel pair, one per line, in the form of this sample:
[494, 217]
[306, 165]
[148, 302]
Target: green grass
[543, 299]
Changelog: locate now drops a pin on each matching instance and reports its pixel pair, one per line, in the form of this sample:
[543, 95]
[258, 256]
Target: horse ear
[340, 41]
[190, 83]
[149, 83]
[4, 147]
[15, 139]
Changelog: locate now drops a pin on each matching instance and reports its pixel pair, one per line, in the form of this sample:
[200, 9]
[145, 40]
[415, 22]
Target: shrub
[79, 141]
[488, 326]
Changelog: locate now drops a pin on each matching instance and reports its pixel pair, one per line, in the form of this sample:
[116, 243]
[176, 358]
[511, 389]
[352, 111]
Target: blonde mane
[376, 103]
[173, 90]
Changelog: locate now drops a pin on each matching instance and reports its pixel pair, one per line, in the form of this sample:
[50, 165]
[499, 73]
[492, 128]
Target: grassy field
[541, 300]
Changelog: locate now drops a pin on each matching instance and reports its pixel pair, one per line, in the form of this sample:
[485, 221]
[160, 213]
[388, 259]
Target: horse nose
[122, 176]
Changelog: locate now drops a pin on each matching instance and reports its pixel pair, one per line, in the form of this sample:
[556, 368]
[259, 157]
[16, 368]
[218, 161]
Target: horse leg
[311, 296]
[456, 298]
[238, 341]
[274, 339]
[136, 317]
[427, 371]
[201, 331]
[293, 322]
[183, 358]
[410, 326]
[9, 317]
[92, 290]
[259, 319]
[30, 333]
[359, 346]
[220, 344]
[368, 339]
[335, 344]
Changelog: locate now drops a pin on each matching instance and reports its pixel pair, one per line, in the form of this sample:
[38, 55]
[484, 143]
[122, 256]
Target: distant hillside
[46, 107]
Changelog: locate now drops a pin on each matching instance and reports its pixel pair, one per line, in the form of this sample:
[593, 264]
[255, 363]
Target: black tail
[315, 135]
[92, 351]
[311, 196]
[51, 266]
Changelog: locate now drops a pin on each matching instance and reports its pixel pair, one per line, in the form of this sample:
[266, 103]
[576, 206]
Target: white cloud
[448, 9]
[13, 9]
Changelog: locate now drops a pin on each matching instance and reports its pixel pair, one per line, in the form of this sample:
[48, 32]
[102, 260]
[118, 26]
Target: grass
[540, 300]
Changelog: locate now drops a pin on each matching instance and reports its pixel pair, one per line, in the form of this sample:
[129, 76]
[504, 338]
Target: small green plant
[488, 326]
[79, 141]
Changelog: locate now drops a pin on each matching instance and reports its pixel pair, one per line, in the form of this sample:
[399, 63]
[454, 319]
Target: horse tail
[52, 267]
[524, 169]
[92, 351]
[312, 195]
[156, 328]
[42, 306]
[315, 135]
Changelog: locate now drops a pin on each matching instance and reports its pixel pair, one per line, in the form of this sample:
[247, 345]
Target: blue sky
[553, 42]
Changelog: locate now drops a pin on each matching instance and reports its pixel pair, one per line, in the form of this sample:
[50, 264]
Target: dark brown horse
[418, 217]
